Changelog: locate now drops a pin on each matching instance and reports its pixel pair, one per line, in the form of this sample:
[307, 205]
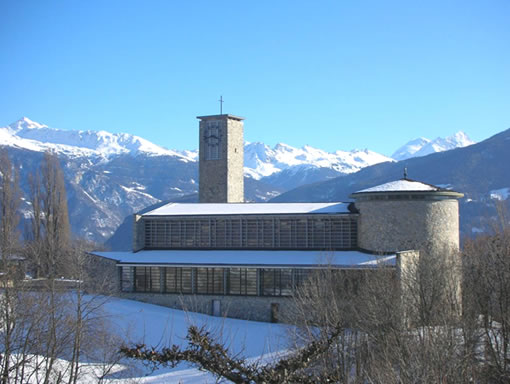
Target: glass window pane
[127, 279]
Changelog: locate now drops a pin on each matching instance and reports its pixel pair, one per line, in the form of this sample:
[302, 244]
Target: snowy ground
[159, 326]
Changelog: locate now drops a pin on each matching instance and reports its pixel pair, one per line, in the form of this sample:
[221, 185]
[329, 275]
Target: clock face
[212, 137]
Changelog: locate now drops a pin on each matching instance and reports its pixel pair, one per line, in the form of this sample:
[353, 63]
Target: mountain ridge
[260, 159]
[110, 176]
[422, 146]
[32, 135]
[479, 171]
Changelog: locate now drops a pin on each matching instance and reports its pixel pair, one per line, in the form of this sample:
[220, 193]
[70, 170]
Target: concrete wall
[222, 180]
[398, 225]
[104, 275]
[255, 308]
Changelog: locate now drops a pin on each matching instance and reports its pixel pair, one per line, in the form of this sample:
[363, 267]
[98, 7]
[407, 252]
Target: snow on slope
[423, 146]
[154, 325]
[136, 322]
[29, 134]
[260, 160]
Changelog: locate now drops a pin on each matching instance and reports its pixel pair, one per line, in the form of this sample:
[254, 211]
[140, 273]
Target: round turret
[407, 214]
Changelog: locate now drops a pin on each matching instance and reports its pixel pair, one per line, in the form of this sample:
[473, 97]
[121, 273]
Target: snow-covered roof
[183, 209]
[402, 185]
[251, 258]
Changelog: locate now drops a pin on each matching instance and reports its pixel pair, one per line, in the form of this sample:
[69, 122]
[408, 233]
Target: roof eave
[445, 193]
[208, 117]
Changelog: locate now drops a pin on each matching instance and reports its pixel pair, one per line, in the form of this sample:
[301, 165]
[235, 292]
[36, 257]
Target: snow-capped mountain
[31, 135]
[261, 161]
[480, 171]
[423, 146]
[409, 149]
[109, 176]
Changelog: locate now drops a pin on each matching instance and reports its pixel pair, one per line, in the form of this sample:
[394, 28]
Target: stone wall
[255, 308]
[235, 161]
[398, 225]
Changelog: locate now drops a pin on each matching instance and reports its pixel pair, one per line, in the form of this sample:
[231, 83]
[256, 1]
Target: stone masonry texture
[222, 180]
[396, 225]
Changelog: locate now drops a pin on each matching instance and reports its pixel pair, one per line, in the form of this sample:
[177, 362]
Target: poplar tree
[9, 248]
[50, 232]
[50, 248]
[9, 205]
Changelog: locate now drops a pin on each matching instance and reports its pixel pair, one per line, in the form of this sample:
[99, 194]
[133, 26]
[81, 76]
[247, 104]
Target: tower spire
[221, 105]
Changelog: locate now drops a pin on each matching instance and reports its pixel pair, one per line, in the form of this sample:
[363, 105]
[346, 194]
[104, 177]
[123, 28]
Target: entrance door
[274, 312]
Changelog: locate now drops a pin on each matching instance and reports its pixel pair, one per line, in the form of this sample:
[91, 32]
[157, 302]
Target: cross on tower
[221, 105]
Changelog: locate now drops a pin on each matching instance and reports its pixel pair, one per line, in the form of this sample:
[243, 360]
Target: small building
[229, 258]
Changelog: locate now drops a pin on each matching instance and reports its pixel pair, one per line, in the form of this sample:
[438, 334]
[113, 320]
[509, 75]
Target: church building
[227, 257]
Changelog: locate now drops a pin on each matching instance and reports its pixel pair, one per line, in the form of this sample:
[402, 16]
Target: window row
[394, 197]
[216, 281]
[259, 232]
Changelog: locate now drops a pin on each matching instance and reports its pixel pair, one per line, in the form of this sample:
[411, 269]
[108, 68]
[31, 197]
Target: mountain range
[480, 171]
[111, 175]
[423, 146]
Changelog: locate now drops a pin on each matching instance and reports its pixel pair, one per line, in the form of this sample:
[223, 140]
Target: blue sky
[330, 74]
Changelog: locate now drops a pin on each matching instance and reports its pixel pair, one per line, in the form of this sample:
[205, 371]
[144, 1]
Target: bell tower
[221, 159]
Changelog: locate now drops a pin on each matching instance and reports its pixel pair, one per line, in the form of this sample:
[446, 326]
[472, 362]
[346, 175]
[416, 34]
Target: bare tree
[324, 305]
[487, 300]
[48, 318]
[50, 230]
[49, 247]
[9, 253]
[90, 334]
[9, 205]
[413, 325]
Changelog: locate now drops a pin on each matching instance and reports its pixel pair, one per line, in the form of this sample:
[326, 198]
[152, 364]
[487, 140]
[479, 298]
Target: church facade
[227, 257]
